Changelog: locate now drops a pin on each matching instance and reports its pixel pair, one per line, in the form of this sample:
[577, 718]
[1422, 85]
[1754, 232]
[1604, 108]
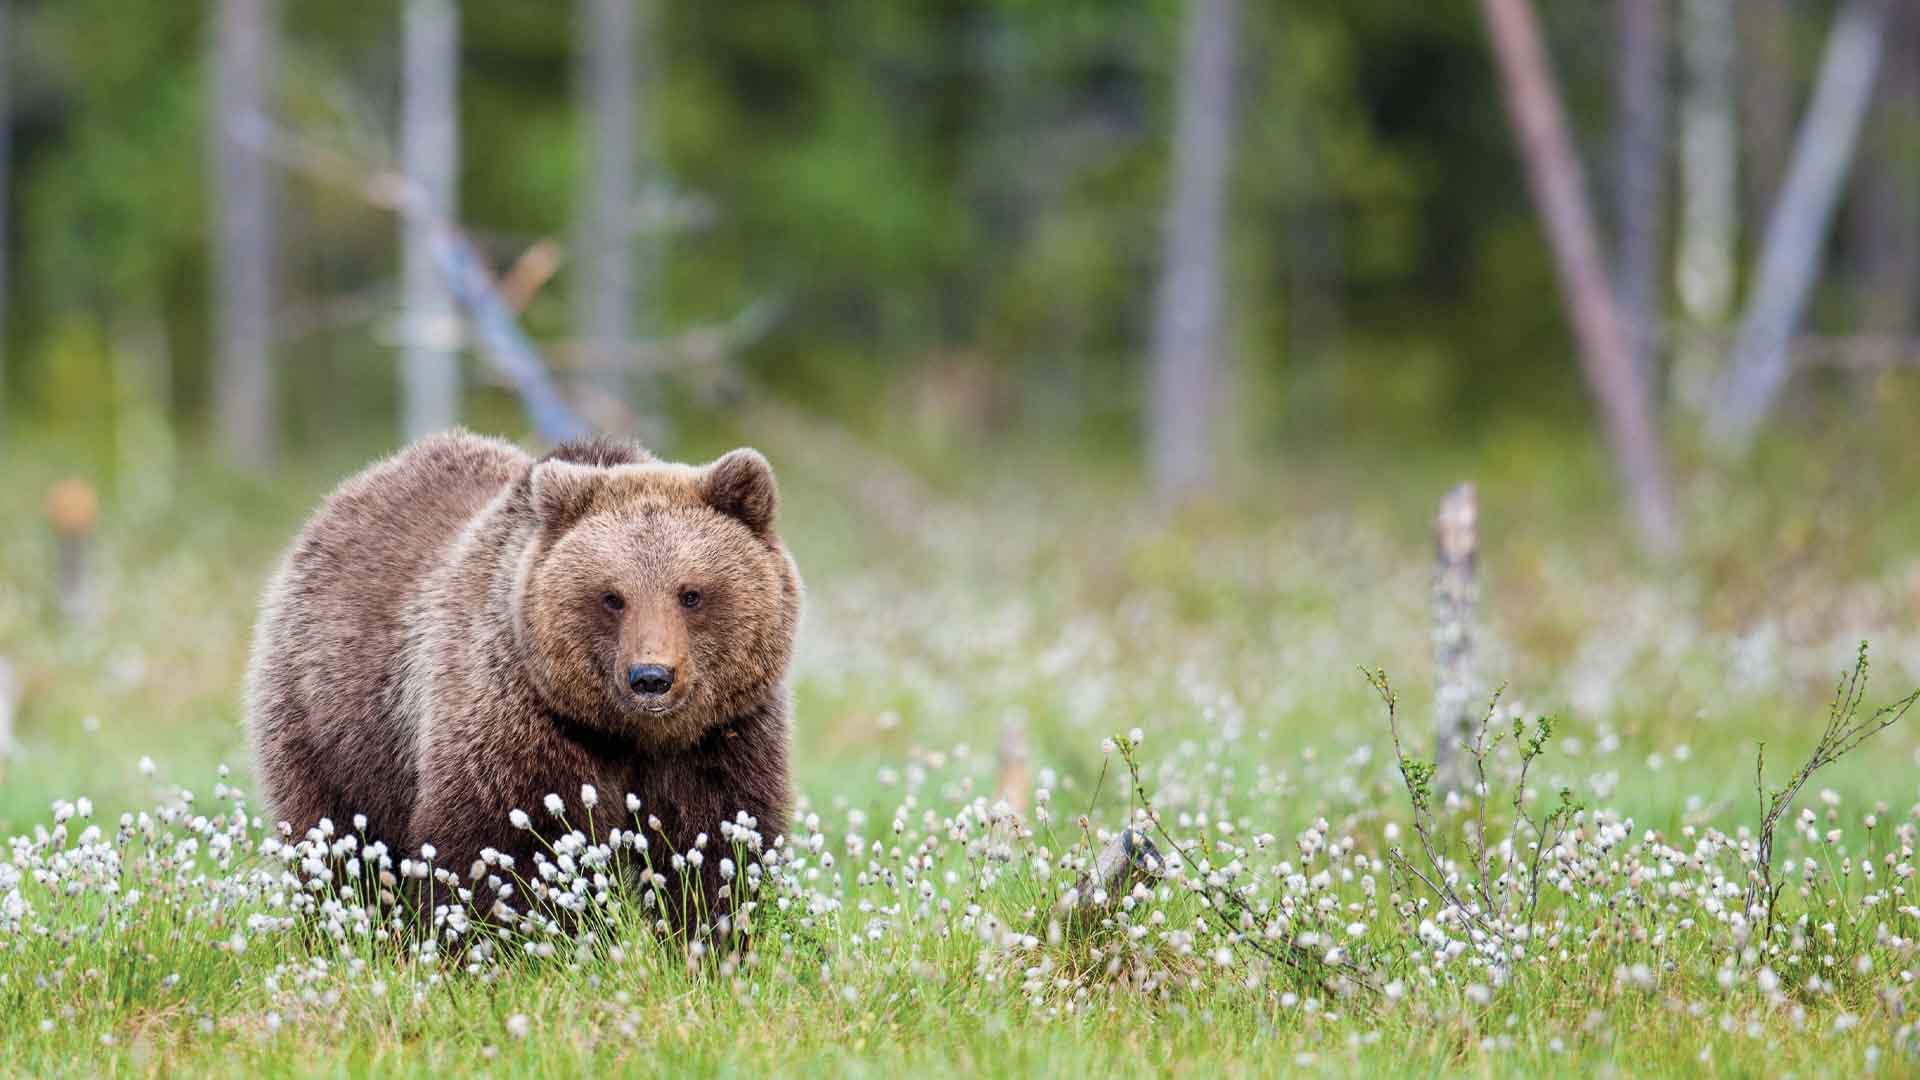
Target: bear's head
[654, 602]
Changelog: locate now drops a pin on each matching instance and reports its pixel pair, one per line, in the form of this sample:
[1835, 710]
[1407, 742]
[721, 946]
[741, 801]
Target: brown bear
[461, 632]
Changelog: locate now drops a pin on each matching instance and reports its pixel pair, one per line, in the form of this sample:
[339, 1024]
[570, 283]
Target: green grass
[1046, 595]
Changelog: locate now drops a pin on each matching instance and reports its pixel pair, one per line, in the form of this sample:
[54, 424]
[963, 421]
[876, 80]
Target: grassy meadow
[1197, 678]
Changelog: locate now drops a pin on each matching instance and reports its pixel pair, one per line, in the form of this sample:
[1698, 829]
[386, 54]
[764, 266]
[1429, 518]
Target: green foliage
[906, 179]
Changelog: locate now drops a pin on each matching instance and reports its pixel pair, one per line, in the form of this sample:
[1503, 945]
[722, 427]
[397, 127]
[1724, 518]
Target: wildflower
[519, 1026]
[589, 796]
[520, 820]
[147, 767]
[554, 805]
[633, 803]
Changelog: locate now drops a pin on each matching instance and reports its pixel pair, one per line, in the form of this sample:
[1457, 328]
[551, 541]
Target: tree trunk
[143, 406]
[606, 293]
[430, 141]
[1796, 232]
[1884, 230]
[1190, 311]
[1559, 193]
[1709, 199]
[1767, 91]
[6, 169]
[244, 239]
[1642, 190]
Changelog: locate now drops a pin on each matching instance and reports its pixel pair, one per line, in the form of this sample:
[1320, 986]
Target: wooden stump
[1455, 591]
[1014, 785]
[9, 693]
[73, 509]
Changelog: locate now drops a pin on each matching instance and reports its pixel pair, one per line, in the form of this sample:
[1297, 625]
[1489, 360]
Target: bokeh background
[1113, 356]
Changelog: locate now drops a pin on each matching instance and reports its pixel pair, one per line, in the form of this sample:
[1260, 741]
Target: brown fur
[437, 649]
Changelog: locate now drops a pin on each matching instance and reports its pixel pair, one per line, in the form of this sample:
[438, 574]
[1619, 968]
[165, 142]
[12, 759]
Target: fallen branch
[1126, 858]
[460, 265]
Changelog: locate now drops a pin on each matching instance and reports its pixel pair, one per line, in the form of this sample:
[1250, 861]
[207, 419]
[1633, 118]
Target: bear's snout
[650, 679]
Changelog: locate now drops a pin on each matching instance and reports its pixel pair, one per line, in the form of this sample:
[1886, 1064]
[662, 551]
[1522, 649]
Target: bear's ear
[741, 486]
[561, 491]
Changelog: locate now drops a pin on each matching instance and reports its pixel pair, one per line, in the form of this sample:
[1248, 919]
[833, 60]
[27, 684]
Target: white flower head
[519, 819]
[589, 796]
[554, 805]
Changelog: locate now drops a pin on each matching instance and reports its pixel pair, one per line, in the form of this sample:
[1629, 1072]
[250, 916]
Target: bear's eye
[690, 598]
[612, 602]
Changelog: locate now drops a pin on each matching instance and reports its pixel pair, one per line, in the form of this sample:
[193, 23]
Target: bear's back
[328, 670]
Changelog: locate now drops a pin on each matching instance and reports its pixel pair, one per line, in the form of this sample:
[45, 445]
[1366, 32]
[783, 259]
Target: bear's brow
[655, 485]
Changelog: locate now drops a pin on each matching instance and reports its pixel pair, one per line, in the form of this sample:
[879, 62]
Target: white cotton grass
[1232, 894]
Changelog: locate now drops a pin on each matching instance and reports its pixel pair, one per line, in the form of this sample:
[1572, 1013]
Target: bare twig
[1844, 732]
[1496, 915]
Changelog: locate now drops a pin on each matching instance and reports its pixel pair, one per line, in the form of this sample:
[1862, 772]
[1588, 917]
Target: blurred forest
[939, 224]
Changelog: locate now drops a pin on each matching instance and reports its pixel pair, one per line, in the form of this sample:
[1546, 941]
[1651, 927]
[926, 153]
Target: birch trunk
[1796, 233]
[1190, 308]
[1709, 198]
[244, 415]
[1642, 187]
[430, 140]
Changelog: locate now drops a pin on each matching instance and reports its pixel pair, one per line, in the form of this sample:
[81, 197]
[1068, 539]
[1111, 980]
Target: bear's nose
[650, 678]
